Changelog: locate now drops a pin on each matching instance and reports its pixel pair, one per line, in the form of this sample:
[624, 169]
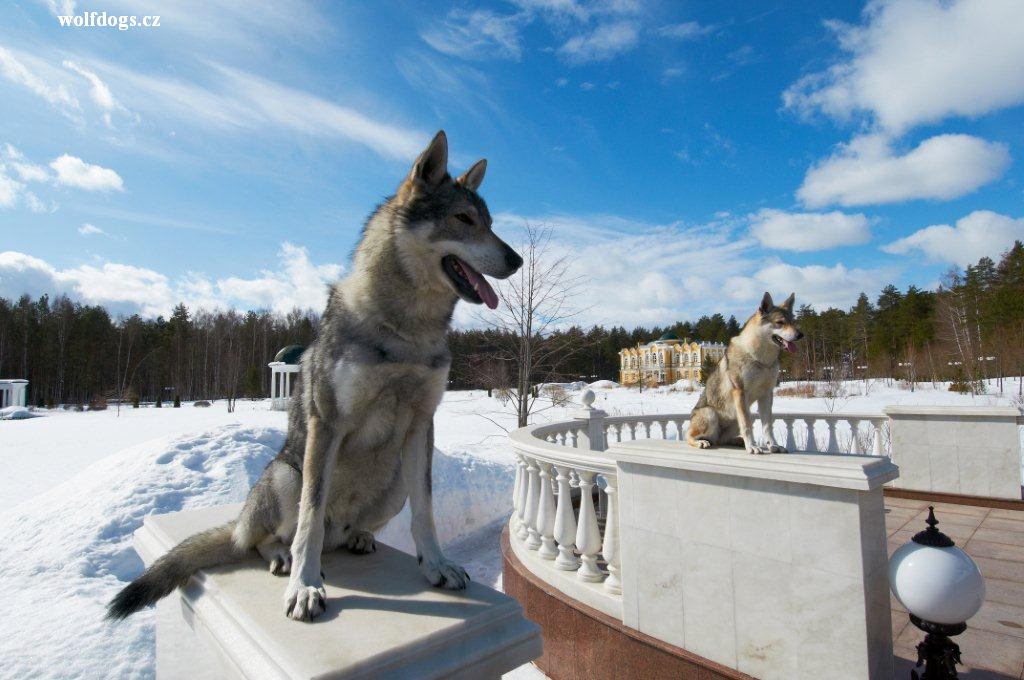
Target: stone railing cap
[382, 621]
[846, 471]
[948, 411]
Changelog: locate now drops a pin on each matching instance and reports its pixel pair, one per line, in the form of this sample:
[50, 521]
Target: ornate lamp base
[937, 652]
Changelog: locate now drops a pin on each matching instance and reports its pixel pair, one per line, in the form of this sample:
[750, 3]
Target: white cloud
[981, 233]
[129, 289]
[603, 43]
[917, 61]
[868, 171]
[805, 232]
[689, 30]
[74, 172]
[60, 7]
[98, 91]
[14, 69]
[27, 172]
[641, 273]
[90, 229]
[241, 101]
[817, 285]
[10, 189]
[556, 8]
[480, 34]
[13, 191]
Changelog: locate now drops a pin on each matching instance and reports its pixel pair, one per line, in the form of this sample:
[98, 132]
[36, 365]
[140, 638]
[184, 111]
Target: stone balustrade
[855, 433]
[568, 529]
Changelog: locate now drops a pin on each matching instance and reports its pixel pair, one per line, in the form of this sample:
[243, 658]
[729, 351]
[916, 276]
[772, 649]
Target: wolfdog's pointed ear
[788, 304]
[474, 177]
[432, 165]
[766, 303]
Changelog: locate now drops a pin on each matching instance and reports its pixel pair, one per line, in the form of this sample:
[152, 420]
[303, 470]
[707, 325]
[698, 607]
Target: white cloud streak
[13, 67]
[90, 230]
[74, 172]
[480, 34]
[603, 43]
[806, 232]
[240, 101]
[916, 61]
[982, 233]
[867, 171]
[127, 289]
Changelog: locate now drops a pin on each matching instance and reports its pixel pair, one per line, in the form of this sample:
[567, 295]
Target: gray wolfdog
[360, 427]
[746, 374]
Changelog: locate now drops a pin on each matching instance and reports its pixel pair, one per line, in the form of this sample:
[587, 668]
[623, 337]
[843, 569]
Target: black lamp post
[941, 587]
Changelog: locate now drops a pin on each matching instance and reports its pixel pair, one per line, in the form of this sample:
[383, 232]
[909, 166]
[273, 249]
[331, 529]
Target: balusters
[876, 446]
[565, 522]
[546, 514]
[516, 485]
[812, 441]
[647, 428]
[588, 536]
[833, 444]
[790, 439]
[574, 435]
[855, 447]
[632, 429]
[532, 497]
[610, 548]
[663, 424]
[524, 485]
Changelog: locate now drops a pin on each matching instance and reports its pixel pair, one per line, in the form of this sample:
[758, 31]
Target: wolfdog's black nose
[799, 335]
[512, 259]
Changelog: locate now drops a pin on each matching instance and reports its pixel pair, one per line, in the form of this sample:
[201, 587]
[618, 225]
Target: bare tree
[537, 300]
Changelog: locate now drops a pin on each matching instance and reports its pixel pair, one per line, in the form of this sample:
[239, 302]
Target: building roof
[670, 336]
[290, 354]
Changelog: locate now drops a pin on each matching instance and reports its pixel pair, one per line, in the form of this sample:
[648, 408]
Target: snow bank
[603, 385]
[67, 551]
[16, 413]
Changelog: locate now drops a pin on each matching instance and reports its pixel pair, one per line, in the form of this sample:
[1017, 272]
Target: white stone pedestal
[773, 565]
[382, 621]
[971, 450]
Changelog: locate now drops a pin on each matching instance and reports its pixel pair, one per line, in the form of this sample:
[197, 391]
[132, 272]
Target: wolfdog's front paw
[703, 444]
[775, 448]
[443, 573]
[758, 450]
[361, 543]
[304, 602]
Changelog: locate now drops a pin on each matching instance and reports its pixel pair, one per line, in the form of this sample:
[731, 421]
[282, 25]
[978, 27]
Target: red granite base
[581, 643]
[955, 499]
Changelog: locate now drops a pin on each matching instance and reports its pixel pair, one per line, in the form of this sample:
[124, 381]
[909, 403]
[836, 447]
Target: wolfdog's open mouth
[469, 283]
[784, 344]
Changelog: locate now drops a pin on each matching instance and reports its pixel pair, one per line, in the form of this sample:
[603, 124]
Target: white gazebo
[13, 392]
[285, 363]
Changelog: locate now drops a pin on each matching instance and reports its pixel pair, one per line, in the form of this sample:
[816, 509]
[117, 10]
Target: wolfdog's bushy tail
[206, 549]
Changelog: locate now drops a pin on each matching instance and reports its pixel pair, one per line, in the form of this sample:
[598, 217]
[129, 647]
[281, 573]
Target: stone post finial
[587, 399]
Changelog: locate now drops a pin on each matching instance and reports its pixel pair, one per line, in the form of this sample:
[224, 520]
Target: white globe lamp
[941, 587]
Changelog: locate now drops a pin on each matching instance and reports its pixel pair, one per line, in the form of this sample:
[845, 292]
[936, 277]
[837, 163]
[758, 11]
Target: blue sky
[690, 155]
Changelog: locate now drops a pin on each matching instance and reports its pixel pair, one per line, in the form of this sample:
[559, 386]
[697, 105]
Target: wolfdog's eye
[464, 218]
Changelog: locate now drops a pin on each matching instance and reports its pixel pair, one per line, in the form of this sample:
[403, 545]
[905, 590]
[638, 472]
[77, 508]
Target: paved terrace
[993, 644]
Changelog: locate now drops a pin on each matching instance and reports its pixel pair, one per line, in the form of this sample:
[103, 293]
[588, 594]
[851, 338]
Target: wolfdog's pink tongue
[790, 346]
[480, 285]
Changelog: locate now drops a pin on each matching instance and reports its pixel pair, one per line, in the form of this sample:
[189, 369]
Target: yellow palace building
[666, 360]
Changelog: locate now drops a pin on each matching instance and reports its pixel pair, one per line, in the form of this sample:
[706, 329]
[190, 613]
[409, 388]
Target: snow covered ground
[76, 485]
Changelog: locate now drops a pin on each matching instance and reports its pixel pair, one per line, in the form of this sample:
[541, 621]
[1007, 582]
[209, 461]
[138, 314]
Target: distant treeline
[971, 328]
